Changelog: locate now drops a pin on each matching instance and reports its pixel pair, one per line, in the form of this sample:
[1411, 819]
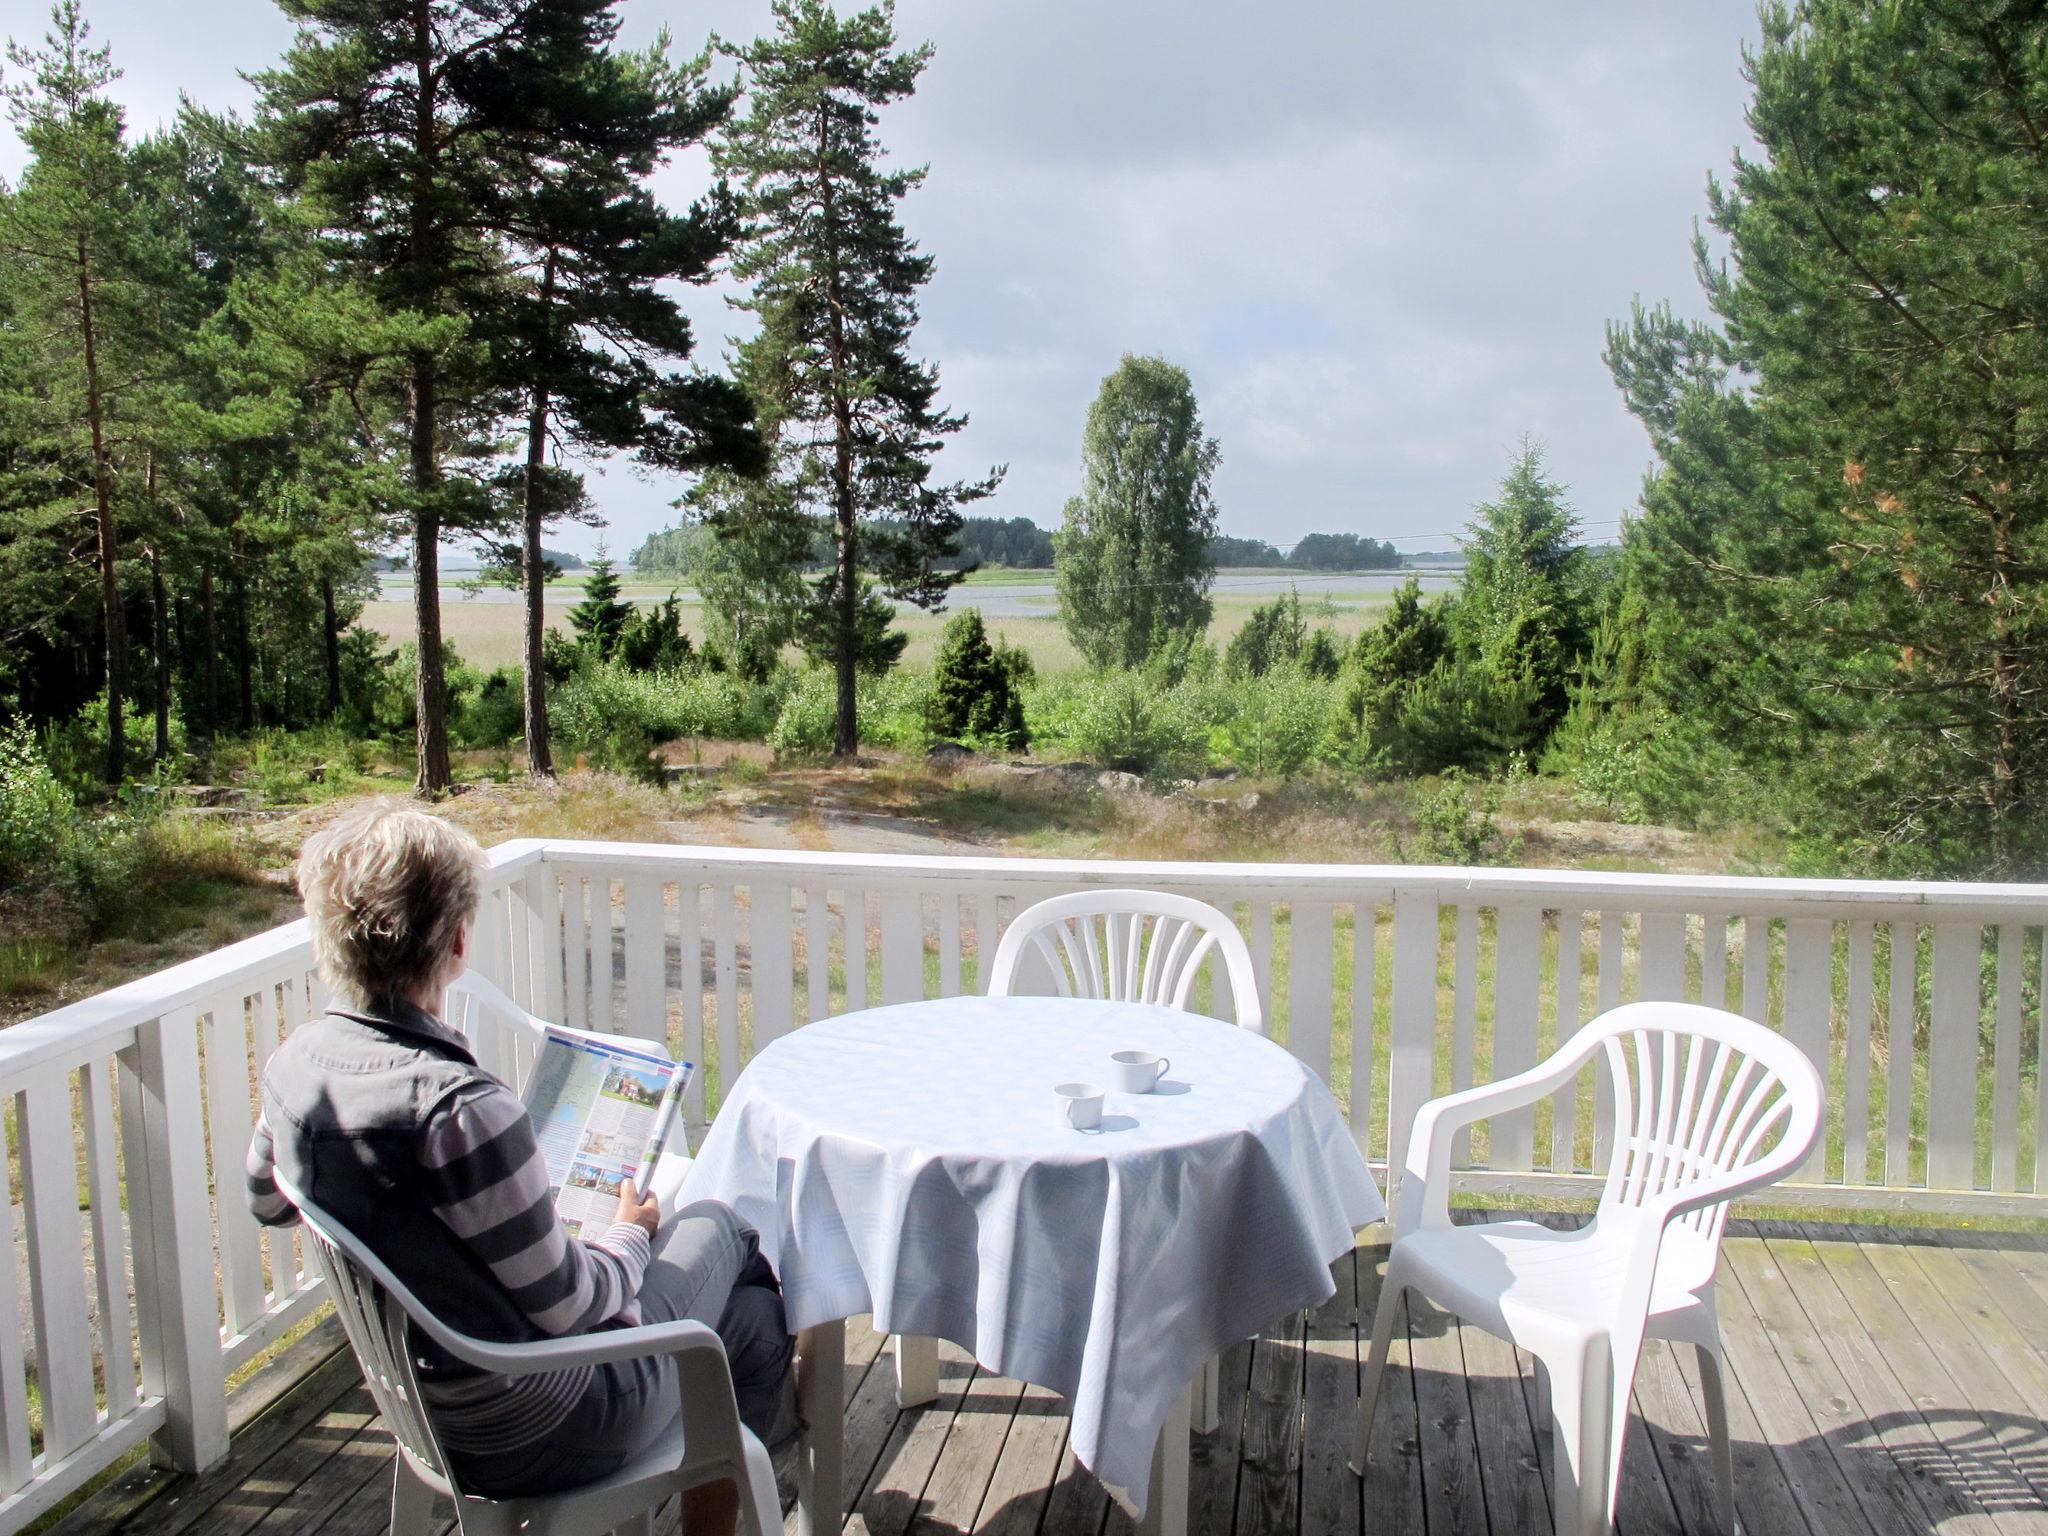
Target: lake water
[1021, 600]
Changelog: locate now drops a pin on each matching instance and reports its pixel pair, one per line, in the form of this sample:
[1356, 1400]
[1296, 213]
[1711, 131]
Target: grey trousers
[709, 1268]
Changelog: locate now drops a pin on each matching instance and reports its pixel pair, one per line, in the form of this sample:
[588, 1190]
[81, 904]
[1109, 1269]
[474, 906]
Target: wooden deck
[1887, 1382]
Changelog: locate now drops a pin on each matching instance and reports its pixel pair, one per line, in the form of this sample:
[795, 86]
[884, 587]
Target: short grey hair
[387, 889]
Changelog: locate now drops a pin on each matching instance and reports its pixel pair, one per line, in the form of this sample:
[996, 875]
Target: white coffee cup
[1080, 1105]
[1137, 1071]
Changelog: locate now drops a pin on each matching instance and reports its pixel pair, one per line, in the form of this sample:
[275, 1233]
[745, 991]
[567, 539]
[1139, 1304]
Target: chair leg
[1542, 1396]
[1581, 1406]
[1208, 1406]
[1375, 1367]
[1714, 1388]
[412, 1501]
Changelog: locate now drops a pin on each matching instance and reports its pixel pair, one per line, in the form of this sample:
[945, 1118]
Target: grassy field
[485, 629]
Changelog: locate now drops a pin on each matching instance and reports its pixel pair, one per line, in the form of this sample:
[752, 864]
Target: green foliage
[892, 712]
[1459, 824]
[665, 706]
[653, 639]
[1277, 634]
[1123, 719]
[600, 618]
[1275, 724]
[1133, 565]
[1343, 552]
[877, 644]
[38, 819]
[977, 695]
[1841, 545]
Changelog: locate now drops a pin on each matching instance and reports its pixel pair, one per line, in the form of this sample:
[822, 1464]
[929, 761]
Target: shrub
[1122, 719]
[603, 697]
[975, 695]
[1276, 724]
[38, 818]
[1459, 827]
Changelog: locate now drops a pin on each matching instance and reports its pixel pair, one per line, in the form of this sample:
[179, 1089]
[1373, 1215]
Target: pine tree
[593, 340]
[83, 283]
[835, 282]
[1133, 565]
[600, 619]
[1842, 546]
[408, 127]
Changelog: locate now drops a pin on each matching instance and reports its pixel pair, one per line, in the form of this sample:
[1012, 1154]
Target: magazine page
[596, 1103]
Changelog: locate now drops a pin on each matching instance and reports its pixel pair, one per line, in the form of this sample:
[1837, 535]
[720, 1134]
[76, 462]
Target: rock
[673, 774]
[1117, 782]
[1220, 775]
[950, 755]
[213, 796]
[1066, 776]
[1246, 802]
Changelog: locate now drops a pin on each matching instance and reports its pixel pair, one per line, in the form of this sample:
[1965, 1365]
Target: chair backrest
[505, 1037]
[1129, 946]
[374, 1306]
[1702, 1094]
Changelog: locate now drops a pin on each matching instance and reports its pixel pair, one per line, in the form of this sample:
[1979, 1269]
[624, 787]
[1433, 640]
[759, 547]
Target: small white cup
[1080, 1105]
[1137, 1071]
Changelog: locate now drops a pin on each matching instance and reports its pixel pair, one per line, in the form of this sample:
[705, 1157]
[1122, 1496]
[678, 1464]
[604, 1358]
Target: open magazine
[604, 1108]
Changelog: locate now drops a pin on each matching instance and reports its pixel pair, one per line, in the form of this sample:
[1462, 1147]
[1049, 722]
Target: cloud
[1383, 240]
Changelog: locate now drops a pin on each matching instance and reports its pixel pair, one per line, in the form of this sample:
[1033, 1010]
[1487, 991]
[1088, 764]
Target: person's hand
[633, 1206]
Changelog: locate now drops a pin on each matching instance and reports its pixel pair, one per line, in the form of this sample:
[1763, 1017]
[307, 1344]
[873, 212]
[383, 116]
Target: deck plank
[1269, 1469]
[1213, 1458]
[1392, 1486]
[1835, 1430]
[1330, 1501]
[1777, 1402]
[1980, 1401]
[1847, 1305]
[1880, 1382]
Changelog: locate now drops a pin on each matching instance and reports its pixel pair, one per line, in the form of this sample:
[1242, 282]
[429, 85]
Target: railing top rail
[110, 1015]
[1944, 900]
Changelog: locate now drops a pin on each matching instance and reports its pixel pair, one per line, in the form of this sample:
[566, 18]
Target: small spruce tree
[600, 619]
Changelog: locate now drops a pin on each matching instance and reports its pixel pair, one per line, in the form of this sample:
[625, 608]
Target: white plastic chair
[505, 1037]
[1707, 1106]
[1129, 946]
[706, 1443]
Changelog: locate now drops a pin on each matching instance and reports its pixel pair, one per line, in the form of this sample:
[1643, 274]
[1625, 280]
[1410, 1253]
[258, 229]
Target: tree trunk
[435, 777]
[111, 616]
[161, 614]
[539, 759]
[209, 616]
[330, 630]
[245, 652]
[846, 652]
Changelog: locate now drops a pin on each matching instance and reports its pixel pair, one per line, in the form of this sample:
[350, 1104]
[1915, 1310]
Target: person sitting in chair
[379, 1112]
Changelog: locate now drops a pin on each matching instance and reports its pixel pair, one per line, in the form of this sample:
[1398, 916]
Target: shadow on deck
[1887, 1381]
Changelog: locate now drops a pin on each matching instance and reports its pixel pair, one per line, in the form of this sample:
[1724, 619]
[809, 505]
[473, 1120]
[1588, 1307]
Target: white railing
[130, 1110]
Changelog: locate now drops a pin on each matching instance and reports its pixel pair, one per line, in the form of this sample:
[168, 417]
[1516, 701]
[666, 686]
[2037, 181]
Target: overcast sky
[1382, 239]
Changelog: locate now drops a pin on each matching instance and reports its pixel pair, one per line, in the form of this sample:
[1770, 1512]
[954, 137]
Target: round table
[913, 1162]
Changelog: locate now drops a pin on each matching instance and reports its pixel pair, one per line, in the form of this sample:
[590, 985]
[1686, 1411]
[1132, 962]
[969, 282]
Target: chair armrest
[1425, 1174]
[600, 1348]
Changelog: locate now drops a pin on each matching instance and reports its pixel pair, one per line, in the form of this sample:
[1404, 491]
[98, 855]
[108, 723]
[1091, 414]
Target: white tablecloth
[913, 1163]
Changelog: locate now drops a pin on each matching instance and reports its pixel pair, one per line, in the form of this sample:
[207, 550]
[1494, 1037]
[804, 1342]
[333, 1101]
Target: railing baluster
[988, 928]
[773, 953]
[1756, 969]
[646, 941]
[855, 916]
[576, 897]
[1409, 1064]
[817, 951]
[1952, 1059]
[1311, 983]
[1262, 966]
[1807, 1023]
[1464, 1019]
[2005, 1063]
[1900, 1050]
[550, 972]
[1714, 959]
[284, 1257]
[17, 1464]
[1365, 920]
[1661, 941]
[109, 1247]
[1856, 1057]
[690, 991]
[726, 977]
[1517, 1004]
[1608, 993]
[1564, 1105]
[902, 947]
[228, 1118]
[56, 1265]
[604, 961]
[949, 943]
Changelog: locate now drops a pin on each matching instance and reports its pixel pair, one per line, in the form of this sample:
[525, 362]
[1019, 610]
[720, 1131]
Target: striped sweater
[476, 1166]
